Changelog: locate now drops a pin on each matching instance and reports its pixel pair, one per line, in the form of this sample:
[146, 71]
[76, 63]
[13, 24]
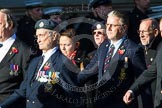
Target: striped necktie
[108, 57]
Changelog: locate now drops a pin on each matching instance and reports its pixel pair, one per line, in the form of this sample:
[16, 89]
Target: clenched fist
[128, 97]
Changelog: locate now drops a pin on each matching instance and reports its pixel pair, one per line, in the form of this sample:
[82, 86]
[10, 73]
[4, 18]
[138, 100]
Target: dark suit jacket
[154, 71]
[150, 54]
[120, 75]
[150, 51]
[34, 91]
[8, 82]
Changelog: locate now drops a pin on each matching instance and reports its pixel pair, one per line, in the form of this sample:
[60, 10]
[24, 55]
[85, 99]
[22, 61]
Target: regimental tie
[108, 57]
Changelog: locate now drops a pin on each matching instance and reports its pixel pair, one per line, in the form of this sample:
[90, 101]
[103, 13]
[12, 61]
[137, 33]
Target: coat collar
[114, 61]
[10, 54]
[51, 61]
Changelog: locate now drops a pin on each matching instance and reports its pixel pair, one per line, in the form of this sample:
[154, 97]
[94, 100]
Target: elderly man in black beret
[40, 87]
[101, 8]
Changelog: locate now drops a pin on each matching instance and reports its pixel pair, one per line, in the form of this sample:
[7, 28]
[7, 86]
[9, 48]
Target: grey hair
[9, 18]
[123, 17]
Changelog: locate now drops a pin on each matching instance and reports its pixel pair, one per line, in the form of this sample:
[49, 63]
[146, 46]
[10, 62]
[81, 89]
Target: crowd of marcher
[108, 59]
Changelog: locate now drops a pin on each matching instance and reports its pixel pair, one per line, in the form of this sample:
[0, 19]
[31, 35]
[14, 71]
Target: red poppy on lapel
[121, 50]
[46, 67]
[14, 50]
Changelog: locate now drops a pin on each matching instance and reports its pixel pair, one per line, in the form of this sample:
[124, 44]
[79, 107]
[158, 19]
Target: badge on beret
[98, 26]
[41, 24]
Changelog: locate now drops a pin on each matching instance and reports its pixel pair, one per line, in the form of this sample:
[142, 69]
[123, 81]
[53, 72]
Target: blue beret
[46, 24]
[53, 10]
[95, 3]
[33, 4]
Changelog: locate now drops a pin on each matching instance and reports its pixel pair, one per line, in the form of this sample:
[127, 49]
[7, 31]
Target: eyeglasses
[98, 32]
[144, 32]
[113, 25]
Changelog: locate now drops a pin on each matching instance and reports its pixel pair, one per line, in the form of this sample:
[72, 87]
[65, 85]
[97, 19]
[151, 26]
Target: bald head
[148, 30]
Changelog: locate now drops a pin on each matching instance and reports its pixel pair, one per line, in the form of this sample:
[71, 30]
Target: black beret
[95, 3]
[98, 25]
[46, 24]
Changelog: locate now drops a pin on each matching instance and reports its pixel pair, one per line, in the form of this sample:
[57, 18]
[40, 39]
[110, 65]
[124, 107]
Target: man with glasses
[118, 62]
[99, 33]
[150, 39]
[153, 72]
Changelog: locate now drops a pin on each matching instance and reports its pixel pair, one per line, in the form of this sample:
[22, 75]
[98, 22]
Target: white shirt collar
[6, 46]
[47, 55]
[50, 52]
[117, 44]
[9, 40]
